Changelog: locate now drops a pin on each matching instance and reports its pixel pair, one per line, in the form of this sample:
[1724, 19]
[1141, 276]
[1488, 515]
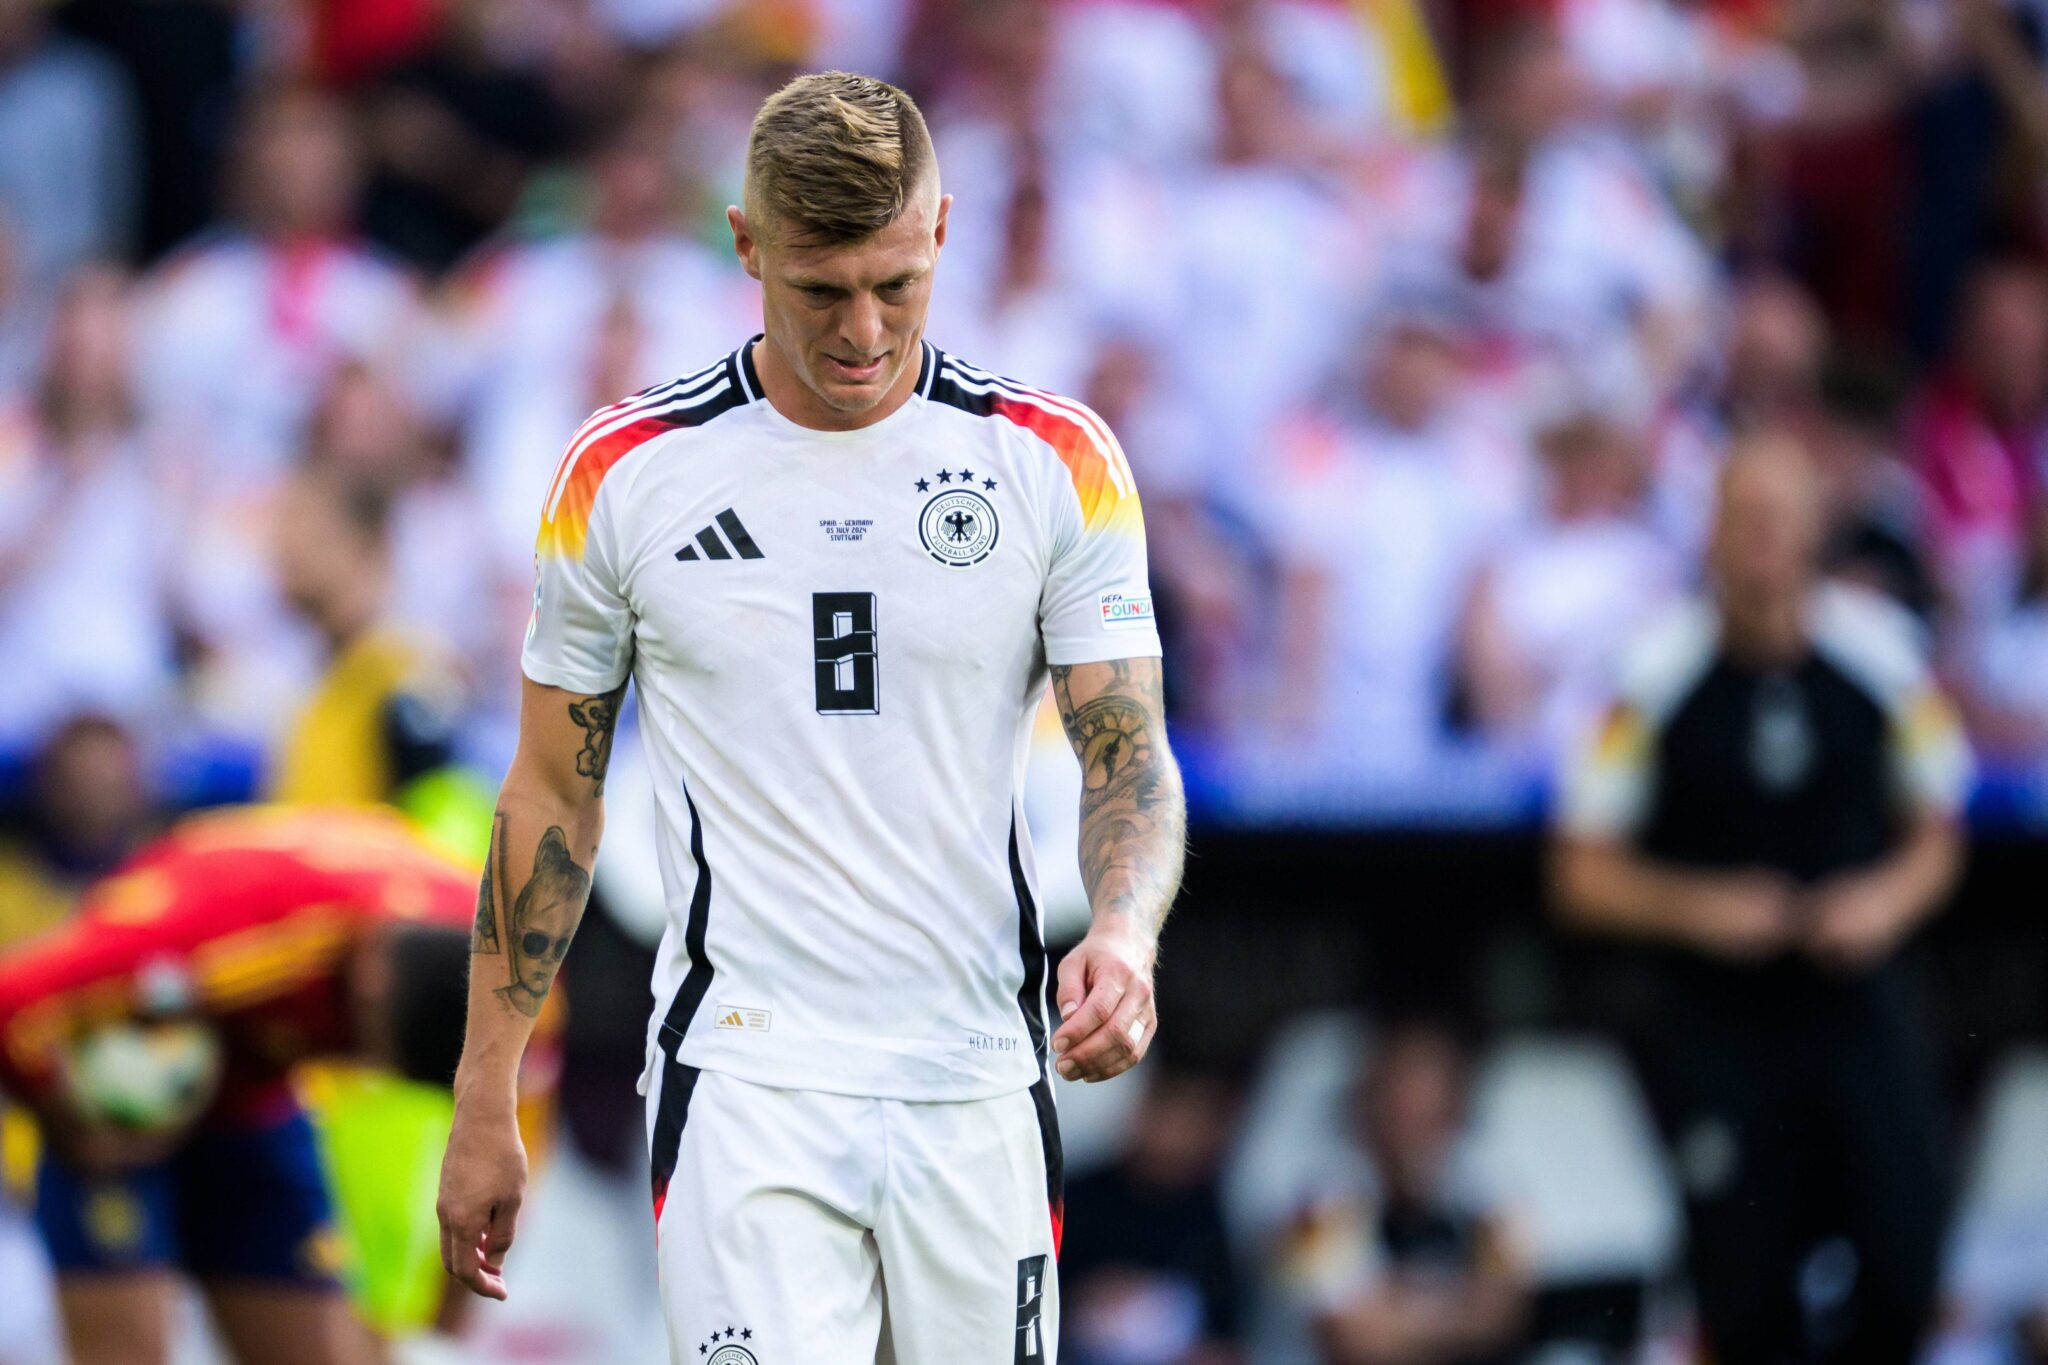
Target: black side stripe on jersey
[679, 1081]
[1032, 998]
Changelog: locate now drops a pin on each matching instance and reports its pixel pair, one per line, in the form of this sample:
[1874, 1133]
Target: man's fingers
[1073, 979]
[1094, 1012]
[1118, 1044]
[473, 1256]
[498, 1235]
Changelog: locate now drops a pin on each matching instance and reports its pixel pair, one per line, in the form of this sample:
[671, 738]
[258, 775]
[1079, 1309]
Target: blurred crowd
[1424, 322]
[1426, 325]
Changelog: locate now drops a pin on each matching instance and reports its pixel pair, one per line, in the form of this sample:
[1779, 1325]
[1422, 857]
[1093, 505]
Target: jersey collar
[747, 379]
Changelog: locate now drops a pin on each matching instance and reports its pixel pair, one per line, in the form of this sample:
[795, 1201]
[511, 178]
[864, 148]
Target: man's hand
[1740, 917]
[483, 1180]
[1105, 1000]
[1854, 922]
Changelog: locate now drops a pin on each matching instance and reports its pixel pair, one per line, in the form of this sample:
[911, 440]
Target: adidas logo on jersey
[742, 1018]
[715, 548]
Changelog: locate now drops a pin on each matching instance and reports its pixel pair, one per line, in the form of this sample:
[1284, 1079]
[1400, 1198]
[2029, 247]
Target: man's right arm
[1605, 885]
[536, 881]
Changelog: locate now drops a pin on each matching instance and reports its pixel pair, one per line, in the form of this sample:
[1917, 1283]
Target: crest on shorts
[958, 526]
[724, 1348]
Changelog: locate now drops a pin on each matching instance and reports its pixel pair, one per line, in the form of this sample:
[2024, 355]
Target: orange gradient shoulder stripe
[1083, 441]
[566, 523]
[608, 437]
[1092, 470]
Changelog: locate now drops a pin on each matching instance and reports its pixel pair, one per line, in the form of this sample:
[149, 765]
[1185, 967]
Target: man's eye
[818, 295]
[895, 288]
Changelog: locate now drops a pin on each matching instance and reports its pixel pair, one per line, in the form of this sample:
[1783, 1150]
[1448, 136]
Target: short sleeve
[1607, 780]
[1097, 600]
[1604, 786]
[580, 635]
[1931, 763]
[1882, 648]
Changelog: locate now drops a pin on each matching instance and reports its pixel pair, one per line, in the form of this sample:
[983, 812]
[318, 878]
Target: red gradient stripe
[565, 527]
[1080, 450]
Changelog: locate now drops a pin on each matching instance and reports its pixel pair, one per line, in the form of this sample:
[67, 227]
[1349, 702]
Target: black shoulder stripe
[946, 388]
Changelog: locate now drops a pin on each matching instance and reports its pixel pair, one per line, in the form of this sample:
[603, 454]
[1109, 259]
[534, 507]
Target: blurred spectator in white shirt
[1569, 265]
[242, 332]
[68, 173]
[1766, 373]
[67, 148]
[1374, 516]
[366, 436]
[83, 619]
[1269, 272]
[1553, 602]
[1033, 324]
[1407, 1257]
[243, 327]
[1131, 79]
[535, 336]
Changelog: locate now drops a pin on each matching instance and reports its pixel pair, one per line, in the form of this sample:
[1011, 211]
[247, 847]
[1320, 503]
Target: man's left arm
[1133, 843]
[1857, 919]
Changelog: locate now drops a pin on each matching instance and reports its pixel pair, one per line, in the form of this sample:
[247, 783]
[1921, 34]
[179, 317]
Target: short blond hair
[833, 158]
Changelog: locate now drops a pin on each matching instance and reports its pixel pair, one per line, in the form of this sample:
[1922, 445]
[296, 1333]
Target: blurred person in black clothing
[455, 132]
[1773, 801]
[1146, 1260]
[1409, 1257]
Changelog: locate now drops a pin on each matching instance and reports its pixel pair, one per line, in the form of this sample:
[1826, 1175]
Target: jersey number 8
[849, 682]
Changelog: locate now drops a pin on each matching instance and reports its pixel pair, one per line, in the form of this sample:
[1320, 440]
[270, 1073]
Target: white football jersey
[838, 640]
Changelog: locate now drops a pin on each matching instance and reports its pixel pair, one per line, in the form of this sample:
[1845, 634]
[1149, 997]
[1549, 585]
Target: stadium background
[1424, 326]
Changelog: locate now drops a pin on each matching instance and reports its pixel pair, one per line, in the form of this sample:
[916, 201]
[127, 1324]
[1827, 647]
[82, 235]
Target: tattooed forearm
[483, 937]
[541, 922]
[1133, 814]
[597, 716]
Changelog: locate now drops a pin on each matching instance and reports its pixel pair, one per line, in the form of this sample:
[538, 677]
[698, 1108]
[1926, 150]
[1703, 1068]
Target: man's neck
[1766, 638]
[794, 399]
[345, 622]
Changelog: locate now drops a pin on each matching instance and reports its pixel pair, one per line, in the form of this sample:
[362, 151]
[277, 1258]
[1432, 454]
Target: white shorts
[803, 1228]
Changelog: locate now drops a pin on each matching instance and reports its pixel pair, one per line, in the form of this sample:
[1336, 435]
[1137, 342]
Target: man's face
[1767, 533]
[847, 319]
[315, 552]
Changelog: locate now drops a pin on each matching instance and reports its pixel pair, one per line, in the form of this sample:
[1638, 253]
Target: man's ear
[743, 244]
[939, 228]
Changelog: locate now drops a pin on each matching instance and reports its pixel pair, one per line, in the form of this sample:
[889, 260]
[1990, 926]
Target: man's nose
[860, 325]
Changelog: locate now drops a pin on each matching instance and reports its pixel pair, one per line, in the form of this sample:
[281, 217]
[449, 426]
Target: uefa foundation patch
[1120, 612]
